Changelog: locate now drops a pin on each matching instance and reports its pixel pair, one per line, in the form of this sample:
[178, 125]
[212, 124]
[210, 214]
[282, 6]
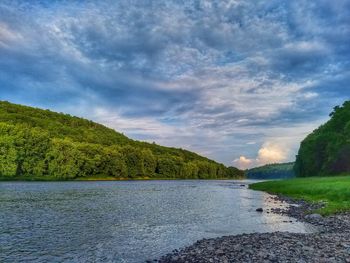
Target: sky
[239, 81]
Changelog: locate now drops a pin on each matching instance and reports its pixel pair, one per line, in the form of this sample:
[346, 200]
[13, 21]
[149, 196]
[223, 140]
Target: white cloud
[268, 153]
[8, 36]
[243, 162]
[271, 153]
[280, 146]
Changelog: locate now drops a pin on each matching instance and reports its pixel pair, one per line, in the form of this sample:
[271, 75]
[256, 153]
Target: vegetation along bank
[40, 144]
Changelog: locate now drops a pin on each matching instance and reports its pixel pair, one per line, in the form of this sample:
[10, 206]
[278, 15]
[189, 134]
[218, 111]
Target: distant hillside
[37, 143]
[326, 151]
[271, 171]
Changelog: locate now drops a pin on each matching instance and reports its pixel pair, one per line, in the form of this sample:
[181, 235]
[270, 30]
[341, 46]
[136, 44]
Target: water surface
[127, 221]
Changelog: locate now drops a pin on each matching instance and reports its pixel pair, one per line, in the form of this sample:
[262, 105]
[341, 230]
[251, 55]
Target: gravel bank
[330, 244]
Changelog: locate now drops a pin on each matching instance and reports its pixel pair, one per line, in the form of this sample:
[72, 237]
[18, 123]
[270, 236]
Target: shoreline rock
[330, 244]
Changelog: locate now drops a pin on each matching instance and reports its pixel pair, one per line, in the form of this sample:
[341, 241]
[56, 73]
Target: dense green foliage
[271, 171]
[37, 143]
[326, 151]
[335, 191]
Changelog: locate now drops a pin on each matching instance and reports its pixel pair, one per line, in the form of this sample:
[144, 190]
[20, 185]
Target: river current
[126, 221]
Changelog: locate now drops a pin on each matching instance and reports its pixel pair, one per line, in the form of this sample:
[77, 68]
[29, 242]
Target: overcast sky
[238, 81]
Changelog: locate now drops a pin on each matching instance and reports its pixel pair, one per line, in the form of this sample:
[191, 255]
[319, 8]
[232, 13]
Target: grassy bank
[334, 190]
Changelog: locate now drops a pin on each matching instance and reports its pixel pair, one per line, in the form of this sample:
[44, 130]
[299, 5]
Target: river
[126, 221]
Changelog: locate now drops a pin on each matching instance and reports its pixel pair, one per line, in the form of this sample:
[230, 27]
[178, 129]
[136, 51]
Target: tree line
[326, 151]
[32, 147]
[271, 171]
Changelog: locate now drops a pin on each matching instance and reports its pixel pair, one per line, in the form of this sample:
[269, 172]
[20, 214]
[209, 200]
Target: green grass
[335, 191]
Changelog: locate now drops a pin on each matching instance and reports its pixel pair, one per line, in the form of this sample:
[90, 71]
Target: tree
[8, 156]
[149, 162]
[233, 172]
[190, 170]
[134, 161]
[169, 167]
[326, 150]
[92, 157]
[207, 170]
[113, 163]
[63, 159]
[32, 146]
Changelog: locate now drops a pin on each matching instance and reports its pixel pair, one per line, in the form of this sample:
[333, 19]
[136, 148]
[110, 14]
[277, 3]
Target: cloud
[279, 145]
[243, 162]
[271, 153]
[267, 154]
[213, 77]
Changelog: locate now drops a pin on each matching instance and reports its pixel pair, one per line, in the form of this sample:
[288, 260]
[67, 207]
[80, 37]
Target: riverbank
[53, 179]
[333, 191]
[329, 243]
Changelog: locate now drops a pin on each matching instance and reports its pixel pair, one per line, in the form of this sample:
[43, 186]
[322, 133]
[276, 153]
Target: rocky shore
[331, 243]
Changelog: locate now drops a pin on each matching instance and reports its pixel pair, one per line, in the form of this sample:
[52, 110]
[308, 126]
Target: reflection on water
[125, 221]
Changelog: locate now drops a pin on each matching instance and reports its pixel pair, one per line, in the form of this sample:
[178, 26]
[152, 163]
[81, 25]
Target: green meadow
[335, 191]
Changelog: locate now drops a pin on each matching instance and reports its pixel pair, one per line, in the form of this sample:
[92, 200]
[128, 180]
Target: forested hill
[271, 171]
[326, 151]
[42, 144]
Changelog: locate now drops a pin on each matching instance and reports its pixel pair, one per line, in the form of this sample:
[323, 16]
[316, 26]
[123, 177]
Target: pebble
[330, 244]
[314, 217]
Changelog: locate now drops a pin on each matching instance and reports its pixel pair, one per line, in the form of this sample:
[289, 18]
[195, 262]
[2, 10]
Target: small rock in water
[259, 209]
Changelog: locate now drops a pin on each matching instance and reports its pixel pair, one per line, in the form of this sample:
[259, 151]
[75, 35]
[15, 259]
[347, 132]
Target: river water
[127, 221]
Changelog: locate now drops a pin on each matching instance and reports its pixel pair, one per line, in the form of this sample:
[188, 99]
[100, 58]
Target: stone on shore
[331, 243]
[314, 217]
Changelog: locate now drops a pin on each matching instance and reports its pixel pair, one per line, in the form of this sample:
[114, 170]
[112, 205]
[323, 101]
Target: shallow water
[127, 221]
